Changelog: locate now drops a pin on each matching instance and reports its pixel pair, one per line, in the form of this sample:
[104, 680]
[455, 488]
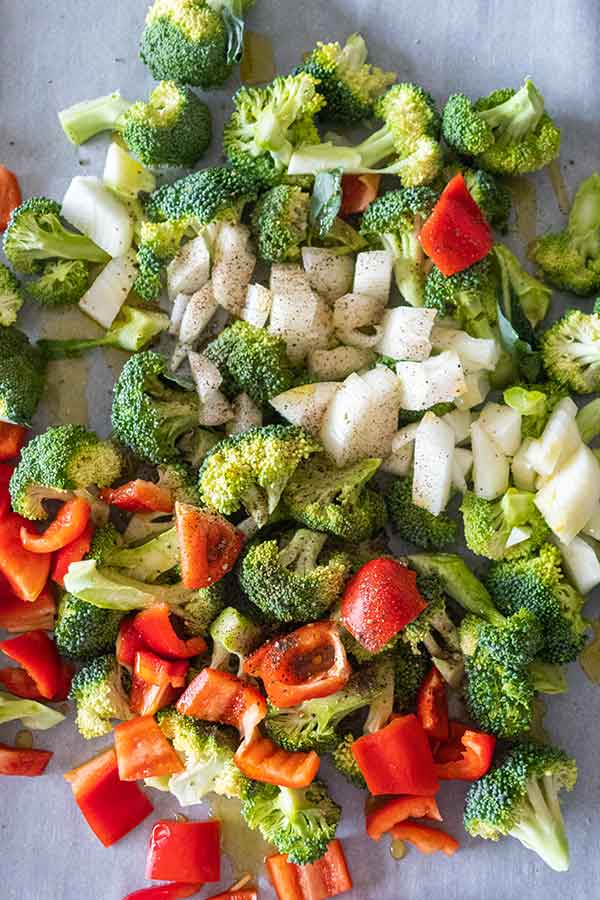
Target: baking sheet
[55, 52]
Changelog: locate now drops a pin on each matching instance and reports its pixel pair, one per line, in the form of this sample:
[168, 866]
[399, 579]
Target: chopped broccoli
[280, 223]
[22, 376]
[132, 330]
[344, 761]
[499, 697]
[180, 480]
[63, 459]
[488, 524]
[467, 296]
[515, 642]
[11, 297]
[521, 292]
[83, 631]
[62, 283]
[99, 696]
[458, 582]
[435, 630]
[324, 498]
[571, 352]
[201, 197]
[158, 243]
[203, 607]
[35, 233]
[233, 634]
[415, 524]
[520, 798]
[570, 259]
[536, 403]
[492, 197]
[409, 671]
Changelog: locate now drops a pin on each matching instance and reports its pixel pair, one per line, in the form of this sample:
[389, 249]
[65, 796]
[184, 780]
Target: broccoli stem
[459, 583]
[541, 827]
[377, 147]
[68, 245]
[303, 551]
[516, 117]
[85, 120]
[382, 707]
[584, 218]
[548, 678]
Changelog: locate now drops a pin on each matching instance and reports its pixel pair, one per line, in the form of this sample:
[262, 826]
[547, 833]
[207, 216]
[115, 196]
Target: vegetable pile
[217, 574]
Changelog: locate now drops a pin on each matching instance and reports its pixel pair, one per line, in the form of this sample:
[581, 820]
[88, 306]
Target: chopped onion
[581, 563]
[124, 174]
[98, 213]
[570, 497]
[354, 337]
[490, 466]
[523, 473]
[399, 462]
[503, 424]
[107, 294]
[475, 353]
[329, 273]
[592, 526]
[285, 278]
[373, 274]
[517, 536]
[432, 470]
[303, 320]
[234, 263]
[198, 313]
[477, 389]
[461, 467]
[337, 364]
[405, 333]
[305, 406]
[190, 270]
[246, 415]
[460, 421]
[357, 311]
[257, 305]
[207, 377]
[439, 379]
[179, 307]
[558, 441]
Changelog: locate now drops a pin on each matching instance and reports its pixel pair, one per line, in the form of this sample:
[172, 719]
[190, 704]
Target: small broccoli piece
[22, 376]
[409, 671]
[492, 197]
[536, 403]
[463, 129]
[571, 352]
[35, 233]
[499, 697]
[520, 798]
[296, 580]
[83, 631]
[106, 541]
[150, 412]
[252, 361]
[11, 297]
[201, 197]
[62, 283]
[488, 524]
[132, 330]
[343, 759]
[537, 584]
[393, 222]
[457, 581]
[180, 480]
[300, 823]
[417, 525]
[251, 469]
[514, 643]
[158, 243]
[233, 634]
[522, 294]
[280, 223]
[99, 696]
[435, 630]
[349, 84]
[63, 459]
[570, 259]
[203, 607]
[467, 296]
[337, 501]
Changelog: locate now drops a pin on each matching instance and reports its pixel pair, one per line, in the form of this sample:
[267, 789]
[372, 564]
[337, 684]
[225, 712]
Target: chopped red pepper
[111, 807]
[382, 817]
[154, 670]
[39, 657]
[5, 476]
[467, 756]
[309, 662]
[72, 553]
[147, 699]
[143, 751]
[209, 545]
[12, 438]
[155, 628]
[357, 192]
[327, 877]
[20, 615]
[239, 891]
[173, 891]
[184, 851]
[19, 683]
[139, 496]
[23, 762]
[425, 838]
[397, 759]
[69, 524]
[456, 234]
[380, 600]
[129, 641]
[221, 697]
[26, 572]
[10, 196]
[262, 760]
[432, 706]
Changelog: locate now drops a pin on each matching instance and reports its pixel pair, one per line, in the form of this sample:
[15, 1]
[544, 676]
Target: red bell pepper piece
[5, 476]
[456, 234]
[309, 662]
[262, 760]
[173, 891]
[139, 496]
[23, 762]
[39, 657]
[19, 683]
[147, 699]
[69, 524]
[382, 817]
[239, 891]
[155, 629]
[111, 807]
[380, 600]
[425, 838]
[432, 706]
[72, 553]
[397, 759]
[19, 615]
[327, 877]
[143, 751]
[26, 572]
[129, 641]
[154, 670]
[209, 545]
[357, 192]
[467, 756]
[12, 438]
[221, 697]
[10, 196]
[186, 851]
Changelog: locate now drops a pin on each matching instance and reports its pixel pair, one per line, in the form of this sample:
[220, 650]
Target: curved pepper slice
[139, 496]
[307, 663]
[425, 838]
[143, 751]
[70, 522]
[327, 877]
[432, 706]
[23, 762]
[176, 890]
[217, 696]
[20, 615]
[12, 438]
[26, 572]
[20, 683]
[155, 628]
[387, 813]
[39, 657]
[397, 759]
[156, 682]
[242, 890]
[209, 545]
[467, 756]
[71, 553]
[262, 760]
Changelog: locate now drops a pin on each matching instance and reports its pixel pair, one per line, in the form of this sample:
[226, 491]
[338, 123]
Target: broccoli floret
[280, 223]
[570, 259]
[337, 501]
[22, 376]
[251, 469]
[435, 630]
[467, 296]
[488, 524]
[520, 798]
[172, 129]
[537, 583]
[11, 297]
[269, 123]
[344, 761]
[393, 222]
[158, 243]
[536, 403]
[514, 643]
[458, 582]
[522, 294]
[414, 524]
[83, 631]
[192, 41]
[571, 352]
[252, 361]
[492, 197]
[204, 606]
[349, 84]
[62, 283]
[201, 197]
[132, 330]
[150, 412]
[63, 459]
[99, 696]
[300, 823]
[499, 697]
[35, 233]
[233, 634]
[294, 581]
[180, 480]
[409, 671]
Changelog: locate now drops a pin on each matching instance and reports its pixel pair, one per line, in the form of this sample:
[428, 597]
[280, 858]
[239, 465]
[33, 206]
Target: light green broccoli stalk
[11, 297]
[132, 330]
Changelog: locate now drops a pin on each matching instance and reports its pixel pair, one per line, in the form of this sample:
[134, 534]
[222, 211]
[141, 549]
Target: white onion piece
[329, 273]
[523, 473]
[477, 389]
[439, 379]
[107, 294]
[432, 469]
[569, 498]
[246, 415]
[234, 263]
[179, 307]
[461, 467]
[257, 305]
[198, 313]
[475, 353]
[460, 421]
[303, 320]
[337, 364]
[98, 213]
[592, 526]
[216, 410]
[559, 439]
[357, 311]
[190, 270]
[399, 462]
[503, 424]
[405, 333]
[490, 466]
[285, 278]
[373, 274]
[305, 406]
[205, 373]
[580, 559]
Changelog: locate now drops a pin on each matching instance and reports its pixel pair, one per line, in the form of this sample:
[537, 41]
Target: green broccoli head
[464, 130]
[536, 403]
[203, 606]
[11, 297]
[35, 234]
[252, 361]
[337, 501]
[409, 671]
[492, 197]
[63, 282]
[99, 696]
[22, 376]
[63, 459]
[344, 761]
[280, 223]
[499, 697]
[520, 798]
[201, 197]
[158, 243]
[180, 480]
[83, 631]
[414, 524]
[489, 523]
[571, 352]
[514, 643]
[468, 296]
